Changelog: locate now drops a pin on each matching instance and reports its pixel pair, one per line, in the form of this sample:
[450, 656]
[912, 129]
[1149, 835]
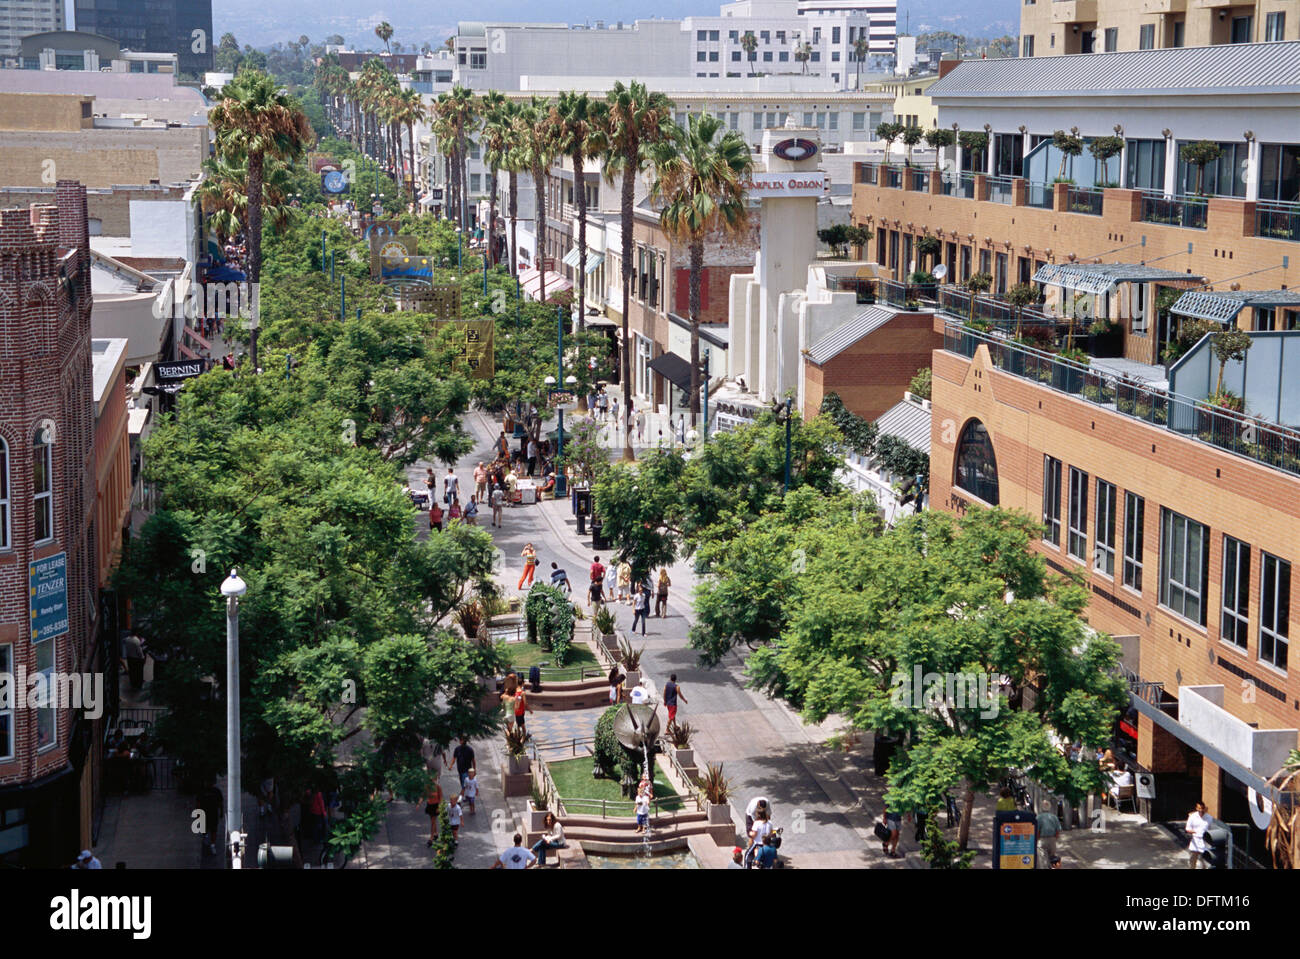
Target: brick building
[47, 425]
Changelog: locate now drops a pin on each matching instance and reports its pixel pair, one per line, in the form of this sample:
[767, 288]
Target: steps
[669, 832]
[579, 694]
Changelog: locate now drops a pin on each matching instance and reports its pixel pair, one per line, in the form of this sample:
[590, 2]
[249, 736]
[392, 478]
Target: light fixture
[549, 381]
[1023, 129]
[232, 587]
[1250, 136]
[1076, 28]
[570, 380]
[988, 128]
[1166, 133]
[1119, 130]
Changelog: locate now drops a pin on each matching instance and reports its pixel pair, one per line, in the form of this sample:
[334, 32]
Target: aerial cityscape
[792, 434]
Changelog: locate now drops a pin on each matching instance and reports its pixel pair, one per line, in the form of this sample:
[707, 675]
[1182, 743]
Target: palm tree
[385, 32]
[535, 135]
[802, 54]
[254, 120]
[861, 47]
[749, 43]
[496, 111]
[638, 119]
[581, 132]
[701, 180]
[411, 111]
[463, 113]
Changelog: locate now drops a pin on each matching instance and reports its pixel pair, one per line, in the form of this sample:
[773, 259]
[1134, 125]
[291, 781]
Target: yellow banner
[475, 343]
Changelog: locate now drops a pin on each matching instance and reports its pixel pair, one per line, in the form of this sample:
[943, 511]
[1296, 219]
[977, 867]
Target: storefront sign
[812, 183]
[47, 581]
[333, 181]
[475, 346]
[178, 371]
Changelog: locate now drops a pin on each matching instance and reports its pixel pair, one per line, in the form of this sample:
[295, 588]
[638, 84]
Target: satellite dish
[939, 272]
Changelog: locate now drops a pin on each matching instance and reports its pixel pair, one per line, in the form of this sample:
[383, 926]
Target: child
[470, 789]
[643, 805]
[453, 817]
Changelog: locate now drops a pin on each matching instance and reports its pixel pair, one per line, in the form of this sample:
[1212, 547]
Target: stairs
[618, 835]
[579, 694]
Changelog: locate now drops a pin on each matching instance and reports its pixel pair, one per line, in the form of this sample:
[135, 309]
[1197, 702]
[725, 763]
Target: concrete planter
[685, 757]
[633, 677]
[536, 819]
[719, 814]
[610, 641]
[518, 765]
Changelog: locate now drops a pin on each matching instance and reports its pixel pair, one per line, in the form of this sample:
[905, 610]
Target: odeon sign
[786, 184]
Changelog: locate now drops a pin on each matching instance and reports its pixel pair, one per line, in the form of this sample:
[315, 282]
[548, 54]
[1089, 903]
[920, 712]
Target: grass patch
[523, 655]
[573, 780]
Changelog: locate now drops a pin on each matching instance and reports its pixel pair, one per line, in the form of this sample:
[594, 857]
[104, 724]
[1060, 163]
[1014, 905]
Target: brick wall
[102, 158]
[111, 206]
[873, 374]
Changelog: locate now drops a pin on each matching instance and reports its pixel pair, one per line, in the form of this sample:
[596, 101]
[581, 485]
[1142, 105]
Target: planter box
[719, 813]
[536, 819]
[520, 765]
[610, 641]
[685, 757]
[633, 677]
[520, 784]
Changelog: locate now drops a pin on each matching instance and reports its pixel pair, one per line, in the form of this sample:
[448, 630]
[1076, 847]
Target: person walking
[640, 427]
[532, 456]
[503, 445]
[522, 706]
[87, 860]
[672, 693]
[435, 515]
[613, 408]
[1049, 833]
[133, 658]
[516, 857]
[450, 486]
[756, 805]
[625, 582]
[661, 593]
[210, 801]
[498, 499]
[470, 788]
[1197, 823]
[611, 582]
[480, 480]
[894, 823]
[463, 756]
[643, 806]
[560, 579]
[454, 511]
[553, 839]
[453, 817]
[615, 685]
[640, 608]
[530, 565]
[432, 800]
[471, 511]
[761, 829]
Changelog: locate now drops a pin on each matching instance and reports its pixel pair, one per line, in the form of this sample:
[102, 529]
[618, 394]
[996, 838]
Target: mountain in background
[260, 23]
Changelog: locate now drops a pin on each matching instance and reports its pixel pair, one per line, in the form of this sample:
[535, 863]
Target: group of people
[435, 758]
[763, 838]
[613, 584]
[446, 508]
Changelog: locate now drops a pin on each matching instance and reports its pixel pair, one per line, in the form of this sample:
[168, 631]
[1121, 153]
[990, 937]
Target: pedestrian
[611, 582]
[625, 582]
[480, 480]
[894, 823]
[640, 695]
[640, 427]
[553, 839]
[87, 860]
[435, 515]
[133, 658]
[597, 571]
[319, 815]
[532, 456]
[672, 693]
[560, 578]
[1049, 833]
[453, 817]
[210, 802]
[516, 857]
[762, 828]
[530, 565]
[766, 857]
[450, 485]
[463, 755]
[454, 511]
[503, 444]
[737, 858]
[266, 796]
[613, 408]
[470, 788]
[1006, 801]
[522, 706]
[604, 405]
[643, 806]
[498, 498]
[432, 800]
[471, 510]
[1197, 823]
[661, 593]
[756, 805]
[615, 685]
[640, 607]
[512, 483]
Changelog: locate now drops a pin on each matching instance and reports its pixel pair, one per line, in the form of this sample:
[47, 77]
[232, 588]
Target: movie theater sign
[812, 183]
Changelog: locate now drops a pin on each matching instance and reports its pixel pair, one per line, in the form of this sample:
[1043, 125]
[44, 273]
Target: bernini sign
[812, 183]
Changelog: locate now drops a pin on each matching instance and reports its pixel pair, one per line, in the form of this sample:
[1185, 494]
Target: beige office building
[1054, 27]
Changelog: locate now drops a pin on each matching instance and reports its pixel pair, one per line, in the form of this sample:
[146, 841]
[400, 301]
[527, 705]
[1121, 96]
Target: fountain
[637, 726]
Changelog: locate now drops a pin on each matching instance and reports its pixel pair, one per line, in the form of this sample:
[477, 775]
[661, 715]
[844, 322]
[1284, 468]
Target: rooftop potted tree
[938, 138]
[911, 136]
[889, 132]
[1200, 154]
[1069, 146]
[1104, 149]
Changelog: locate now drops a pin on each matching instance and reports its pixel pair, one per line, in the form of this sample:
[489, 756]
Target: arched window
[976, 469]
[5, 541]
[42, 487]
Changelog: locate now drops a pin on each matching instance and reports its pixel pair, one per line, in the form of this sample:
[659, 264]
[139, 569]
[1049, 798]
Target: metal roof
[842, 337]
[1225, 306]
[1104, 277]
[1224, 68]
[910, 422]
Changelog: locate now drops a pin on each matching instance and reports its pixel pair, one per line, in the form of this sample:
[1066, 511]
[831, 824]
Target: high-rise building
[20, 18]
[183, 27]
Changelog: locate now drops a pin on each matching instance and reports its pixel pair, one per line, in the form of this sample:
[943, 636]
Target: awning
[571, 258]
[1224, 307]
[531, 282]
[594, 260]
[674, 369]
[599, 320]
[1102, 278]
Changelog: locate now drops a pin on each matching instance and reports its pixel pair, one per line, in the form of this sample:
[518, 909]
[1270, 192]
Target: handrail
[1002, 189]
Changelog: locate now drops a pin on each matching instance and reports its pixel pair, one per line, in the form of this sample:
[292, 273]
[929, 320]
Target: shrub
[921, 384]
[604, 620]
[679, 734]
[717, 789]
[609, 751]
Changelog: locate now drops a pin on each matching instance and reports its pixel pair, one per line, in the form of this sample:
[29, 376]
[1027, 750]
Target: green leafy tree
[1069, 145]
[1200, 155]
[836, 237]
[911, 136]
[921, 384]
[889, 132]
[581, 130]
[938, 138]
[1229, 344]
[1020, 296]
[1104, 149]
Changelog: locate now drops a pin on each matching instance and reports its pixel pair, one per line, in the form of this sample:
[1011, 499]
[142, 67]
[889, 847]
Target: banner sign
[1015, 840]
[475, 346]
[178, 371]
[442, 300]
[383, 245]
[47, 582]
[333, 181]
[812, 183]
[406, 268]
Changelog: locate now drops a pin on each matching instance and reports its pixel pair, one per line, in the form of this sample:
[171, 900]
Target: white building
[21, 18]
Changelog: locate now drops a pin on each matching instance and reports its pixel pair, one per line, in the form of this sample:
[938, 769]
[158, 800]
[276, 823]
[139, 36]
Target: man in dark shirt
[672, 692]
[560, 578]
[464, 757]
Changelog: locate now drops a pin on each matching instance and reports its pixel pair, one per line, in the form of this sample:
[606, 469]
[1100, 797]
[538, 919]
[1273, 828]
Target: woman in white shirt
[554, 839]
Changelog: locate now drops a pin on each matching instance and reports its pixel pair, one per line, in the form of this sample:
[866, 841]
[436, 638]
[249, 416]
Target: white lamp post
[232, 588]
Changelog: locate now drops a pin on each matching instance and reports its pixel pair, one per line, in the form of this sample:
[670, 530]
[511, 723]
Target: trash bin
[274, 857]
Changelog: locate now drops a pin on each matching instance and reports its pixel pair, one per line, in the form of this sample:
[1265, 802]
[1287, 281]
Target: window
[713, 35]
[976, 466]
[817, 35]
[713, 56]
[1052, 500]
[478, 61]
[835, 56]
[821, 120]
[1235, 622]
[833, 121]
[1274, 26]
[1051, 41]
[765, 36]
[735, 55]
[701, 57]
[1103, 555]
[1274, 610]
[771, 121]
[733, 121]
[1112, 40]
[1279, 171]
[1076, 540]
[4, 499]
[1184, 565]
[733, 35]
[1226, 177]
[1242, 28]
[807, 118]
[701, 35]
[1145, 166]
[835, 34]
[473, 151]
[758, 120]
[7, 706]
[859, 121]
[46, 714]
[1027, 46]
[816, 56]
[1134, 520]
[767, 56]
[42, 488]
[780, 36]
[1180, 29]
[784, 56]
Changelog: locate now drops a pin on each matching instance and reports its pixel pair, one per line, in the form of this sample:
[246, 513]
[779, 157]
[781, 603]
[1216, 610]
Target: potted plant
[602, 625]
[717, 792]
[1105, 149]
[1200, 154]
[1020, 296]
[516, 742]
[1104, 338]
[537, 810]
[1068, 377]
[631, 661]
[679, 734]
[1069, 146]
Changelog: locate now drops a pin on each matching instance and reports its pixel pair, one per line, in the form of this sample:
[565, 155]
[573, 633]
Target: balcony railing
[1280, 221]
[867, 173]
[918, 180]
[990, 309]
[1041, 195]
[892, 178]
[1246, 436]
[907, 296]
[1002, 189]
[961, 185]
[1183, 211]
[1085, 200]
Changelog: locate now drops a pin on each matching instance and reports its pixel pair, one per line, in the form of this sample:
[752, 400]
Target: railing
[892, 178]
[1277, 220]
[919, 180]
[578, 806]
[907, 295]
[1246, 436]
[1184, 211]
[1041, 195]
[1083, 199]
[959, 185]
[563, 674]
[1002, 189]
[867, 173]
[865, 289]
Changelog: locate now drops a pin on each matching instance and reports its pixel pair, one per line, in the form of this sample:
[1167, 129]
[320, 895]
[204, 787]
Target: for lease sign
[812, 183]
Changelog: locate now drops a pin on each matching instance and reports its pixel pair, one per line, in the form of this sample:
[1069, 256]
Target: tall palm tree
[254, 120]
[700, 177]
[861, 47]
[638, 119]
[535, 135]
[803, 53]
[385, 32]
[497, 114]
[463, 111]
[749, 43]
[581, 127]
[441, 126]
[410, 111]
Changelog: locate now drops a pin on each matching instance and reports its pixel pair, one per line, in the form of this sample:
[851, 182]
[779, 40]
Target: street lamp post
[232, 589]
[705, 398]
[788, 404]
